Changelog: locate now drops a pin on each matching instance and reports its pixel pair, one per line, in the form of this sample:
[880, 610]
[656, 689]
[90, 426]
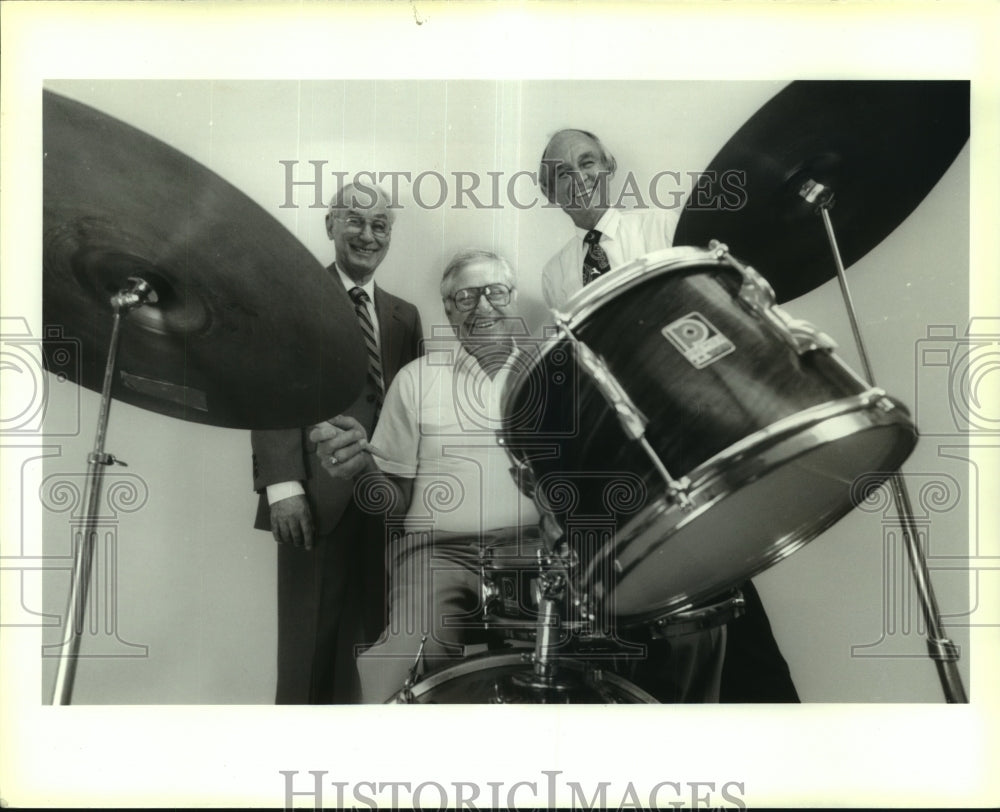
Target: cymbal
[248, 330]
[880, 146]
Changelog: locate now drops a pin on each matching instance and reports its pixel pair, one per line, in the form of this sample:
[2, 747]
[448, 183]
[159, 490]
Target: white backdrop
[196, 584]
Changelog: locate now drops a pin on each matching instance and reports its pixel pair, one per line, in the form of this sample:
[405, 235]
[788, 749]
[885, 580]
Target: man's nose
[483, 304]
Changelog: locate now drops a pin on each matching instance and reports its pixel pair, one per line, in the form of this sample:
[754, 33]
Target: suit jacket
[284, 455]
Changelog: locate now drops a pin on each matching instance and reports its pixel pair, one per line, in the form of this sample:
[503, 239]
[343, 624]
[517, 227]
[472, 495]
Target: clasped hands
[340, 445]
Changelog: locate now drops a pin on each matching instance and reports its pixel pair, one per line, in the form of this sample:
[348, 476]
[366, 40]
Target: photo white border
[842, 755]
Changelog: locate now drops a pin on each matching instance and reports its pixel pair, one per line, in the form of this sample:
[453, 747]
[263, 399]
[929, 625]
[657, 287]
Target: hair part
[545, 168]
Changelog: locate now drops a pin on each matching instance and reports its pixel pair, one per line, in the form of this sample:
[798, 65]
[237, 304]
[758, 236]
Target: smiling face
[578, 177]
[361, 230]
[487, 322]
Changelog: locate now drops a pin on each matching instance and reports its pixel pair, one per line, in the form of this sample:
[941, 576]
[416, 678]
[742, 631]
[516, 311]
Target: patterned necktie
[360, 299]
[595, 261]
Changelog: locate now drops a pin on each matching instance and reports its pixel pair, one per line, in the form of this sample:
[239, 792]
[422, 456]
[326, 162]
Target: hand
[292, 522]
[340, 445]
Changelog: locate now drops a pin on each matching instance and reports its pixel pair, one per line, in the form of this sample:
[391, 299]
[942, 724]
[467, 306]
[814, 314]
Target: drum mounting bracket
[757, 295]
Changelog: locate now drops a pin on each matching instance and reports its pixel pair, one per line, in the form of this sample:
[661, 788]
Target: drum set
[716, 433]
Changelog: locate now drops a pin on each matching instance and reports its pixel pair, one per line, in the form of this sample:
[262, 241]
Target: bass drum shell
[503, 678]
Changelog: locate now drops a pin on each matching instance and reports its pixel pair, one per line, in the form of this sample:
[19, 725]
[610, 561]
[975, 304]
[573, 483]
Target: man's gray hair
[359, 195]
[545, 168]
[467, 257]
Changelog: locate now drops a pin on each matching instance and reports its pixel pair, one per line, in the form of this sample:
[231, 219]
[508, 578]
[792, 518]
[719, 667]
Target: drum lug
[757, 295]
[677, 494]
[884, 403]
[490, 593]
[522, 473]
[632, 421]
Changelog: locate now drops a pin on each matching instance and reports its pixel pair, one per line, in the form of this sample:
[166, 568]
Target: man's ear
[329, 224]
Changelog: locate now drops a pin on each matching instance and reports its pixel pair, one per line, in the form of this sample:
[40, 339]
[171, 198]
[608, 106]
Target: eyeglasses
[355, 224]
[467, 298]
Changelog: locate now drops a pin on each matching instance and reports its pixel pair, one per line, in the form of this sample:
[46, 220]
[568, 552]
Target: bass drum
[507, 678]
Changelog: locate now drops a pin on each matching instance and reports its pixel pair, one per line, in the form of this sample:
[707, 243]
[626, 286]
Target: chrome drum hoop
[514, 663]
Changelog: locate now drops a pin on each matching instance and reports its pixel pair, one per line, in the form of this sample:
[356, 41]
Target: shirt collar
[368, 287]
[607, 225]
[466, 362]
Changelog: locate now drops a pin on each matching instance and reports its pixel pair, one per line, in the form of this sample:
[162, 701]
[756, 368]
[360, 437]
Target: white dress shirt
[625, 236]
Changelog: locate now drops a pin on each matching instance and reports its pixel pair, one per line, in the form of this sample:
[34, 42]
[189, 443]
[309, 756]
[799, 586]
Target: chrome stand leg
[941, 650]
[138, 294]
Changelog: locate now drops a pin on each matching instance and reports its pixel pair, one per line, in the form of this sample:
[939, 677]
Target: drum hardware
[406, 694]
[194, 264]
[504, 678]
[940, 648]
[633, 422]
[126, 300]
[698, 618]
[757, 294]
[720, 400]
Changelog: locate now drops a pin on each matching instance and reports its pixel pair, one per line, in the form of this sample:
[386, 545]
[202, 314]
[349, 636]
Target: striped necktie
[595, 261]
[360, 299]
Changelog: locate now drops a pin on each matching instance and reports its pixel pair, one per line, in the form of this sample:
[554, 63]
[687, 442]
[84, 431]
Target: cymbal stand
[941, 650]
[125, 301]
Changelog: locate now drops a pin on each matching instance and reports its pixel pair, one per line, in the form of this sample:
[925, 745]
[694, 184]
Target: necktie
[595, 261]
[360, 299]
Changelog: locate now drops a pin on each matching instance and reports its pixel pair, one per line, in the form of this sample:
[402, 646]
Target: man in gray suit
[331, 564]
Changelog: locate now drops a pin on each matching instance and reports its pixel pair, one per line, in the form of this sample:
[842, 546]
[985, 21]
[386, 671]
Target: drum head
[507, 678]
[753, 513]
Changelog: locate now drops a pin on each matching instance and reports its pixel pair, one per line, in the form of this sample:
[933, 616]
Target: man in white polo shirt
[449, 480]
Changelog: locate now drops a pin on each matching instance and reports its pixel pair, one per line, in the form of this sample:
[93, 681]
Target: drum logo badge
[698, 339]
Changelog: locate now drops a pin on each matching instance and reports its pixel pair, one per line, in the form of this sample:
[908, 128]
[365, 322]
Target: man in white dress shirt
[574, 173]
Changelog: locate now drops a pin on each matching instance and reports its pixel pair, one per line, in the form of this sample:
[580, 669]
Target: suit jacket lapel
[389, 334]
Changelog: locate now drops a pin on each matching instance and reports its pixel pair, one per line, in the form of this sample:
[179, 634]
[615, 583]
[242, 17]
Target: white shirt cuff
[283, 490]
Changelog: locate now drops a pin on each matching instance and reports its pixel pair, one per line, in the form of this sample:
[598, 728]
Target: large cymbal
[249, 331]
[880, 146]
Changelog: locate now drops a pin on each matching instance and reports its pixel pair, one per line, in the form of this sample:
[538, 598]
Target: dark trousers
[331, 601]
[754, 669]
